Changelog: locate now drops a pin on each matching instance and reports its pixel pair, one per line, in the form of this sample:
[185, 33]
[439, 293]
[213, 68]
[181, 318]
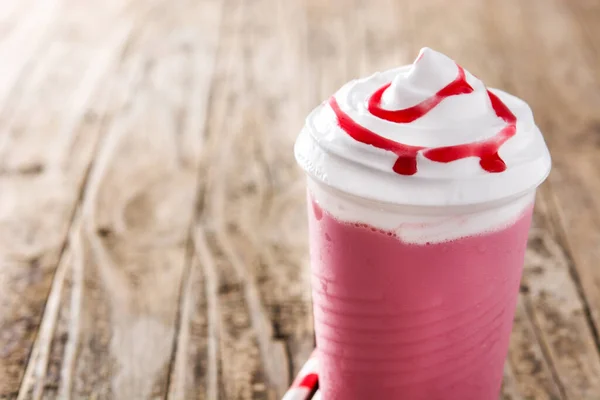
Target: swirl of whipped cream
[426, 134]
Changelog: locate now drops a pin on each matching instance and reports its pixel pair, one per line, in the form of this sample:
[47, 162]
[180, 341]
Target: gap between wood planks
[177, 369]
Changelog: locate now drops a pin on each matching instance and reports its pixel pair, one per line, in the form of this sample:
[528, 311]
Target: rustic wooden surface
[152, 227]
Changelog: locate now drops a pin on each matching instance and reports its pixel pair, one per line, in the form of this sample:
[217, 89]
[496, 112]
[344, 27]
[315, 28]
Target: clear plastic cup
[414, 302]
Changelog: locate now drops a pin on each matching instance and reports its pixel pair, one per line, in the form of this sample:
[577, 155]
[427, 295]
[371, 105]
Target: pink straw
[306, 383]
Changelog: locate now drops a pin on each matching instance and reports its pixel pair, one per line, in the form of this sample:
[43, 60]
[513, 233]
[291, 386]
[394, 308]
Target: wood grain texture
[559, 273]
[58, 99]
[510, 390]
[152, 216]
[113, 334]
[250, 238]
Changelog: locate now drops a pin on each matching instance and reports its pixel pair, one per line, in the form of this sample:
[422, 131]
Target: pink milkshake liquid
[414, 321]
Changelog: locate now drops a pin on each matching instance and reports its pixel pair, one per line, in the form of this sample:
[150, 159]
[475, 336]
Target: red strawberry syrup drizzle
[406, 163]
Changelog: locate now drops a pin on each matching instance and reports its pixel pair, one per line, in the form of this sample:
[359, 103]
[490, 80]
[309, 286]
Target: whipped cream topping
[428, 134]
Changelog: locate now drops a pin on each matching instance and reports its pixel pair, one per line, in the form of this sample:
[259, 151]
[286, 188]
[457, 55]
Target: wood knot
[104, 232]
[226, 288]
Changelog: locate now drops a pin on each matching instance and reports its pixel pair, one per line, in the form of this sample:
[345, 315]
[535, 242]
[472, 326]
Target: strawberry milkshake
[421, 184]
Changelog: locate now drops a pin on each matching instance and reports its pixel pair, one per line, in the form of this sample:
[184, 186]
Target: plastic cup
[414, 302]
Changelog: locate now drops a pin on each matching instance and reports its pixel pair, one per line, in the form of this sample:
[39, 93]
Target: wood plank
[195, 370]
[24, 30]
[546, 50]
[510, 391]
[531, 376]
[40, 181]
[252, 213]
[578, 168]
[331, 61]
[233, 359]
[545, 61]
[557, 309]
[586, 14]
[112, 332]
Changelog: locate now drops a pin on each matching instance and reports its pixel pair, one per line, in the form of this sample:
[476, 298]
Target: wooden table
[152, 224]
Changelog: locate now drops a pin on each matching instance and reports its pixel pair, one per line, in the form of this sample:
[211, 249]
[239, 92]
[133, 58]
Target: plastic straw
[306, 383]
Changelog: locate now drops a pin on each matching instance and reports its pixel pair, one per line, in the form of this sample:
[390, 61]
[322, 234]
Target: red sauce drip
[407, 155]
[454, 88]
[406, 164]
